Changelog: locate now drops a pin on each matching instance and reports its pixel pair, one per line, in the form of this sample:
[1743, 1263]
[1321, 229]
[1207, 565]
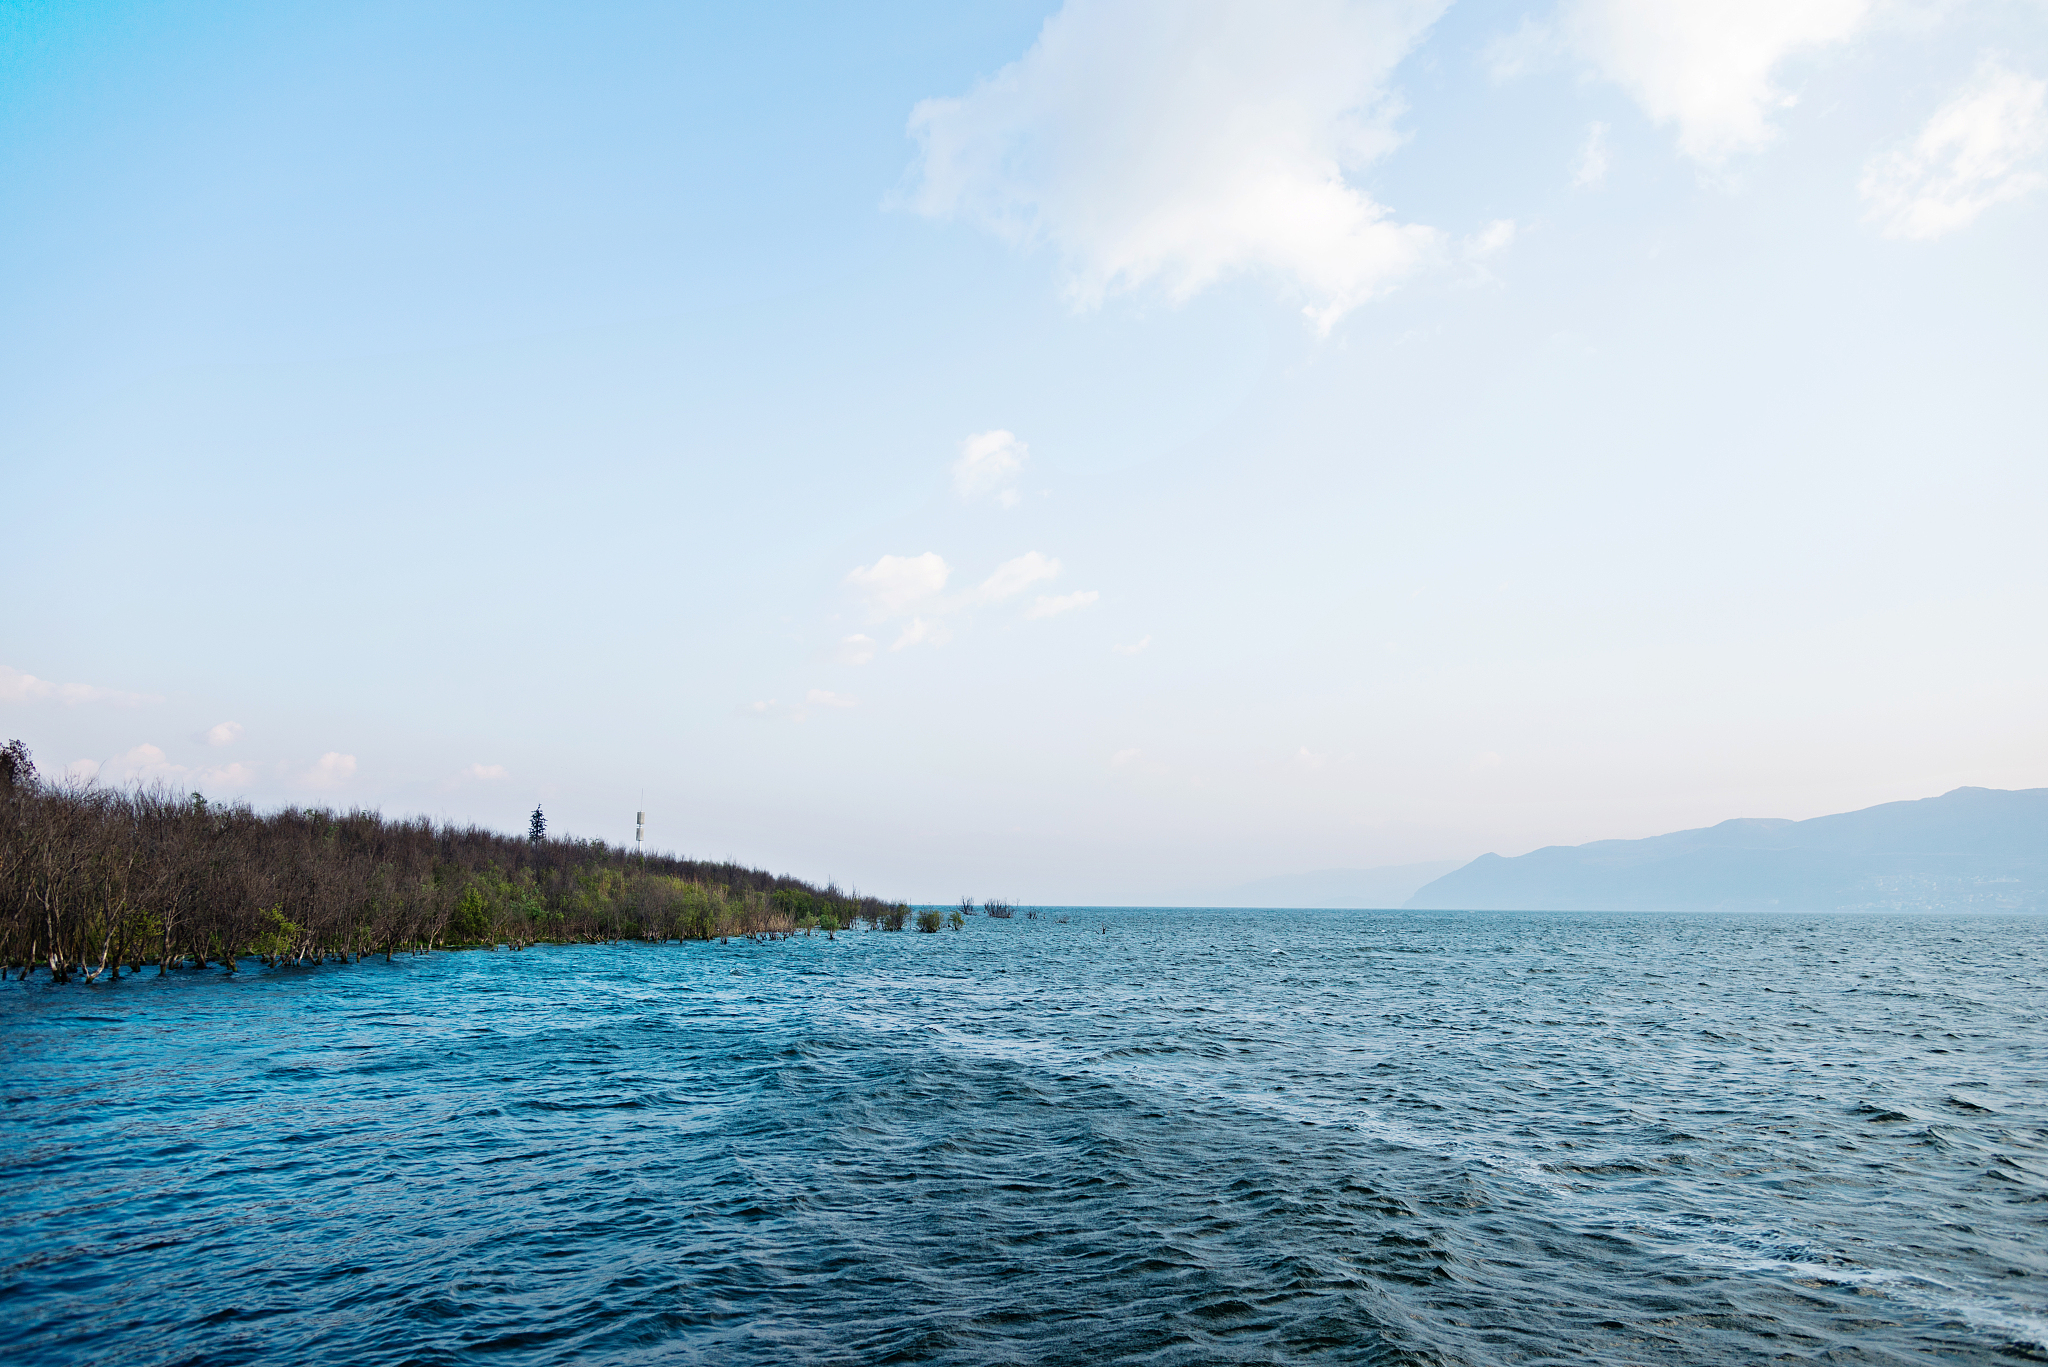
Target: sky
[1101, 452]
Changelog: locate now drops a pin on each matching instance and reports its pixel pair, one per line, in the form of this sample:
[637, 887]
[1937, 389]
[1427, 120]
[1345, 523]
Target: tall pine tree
[537, 829]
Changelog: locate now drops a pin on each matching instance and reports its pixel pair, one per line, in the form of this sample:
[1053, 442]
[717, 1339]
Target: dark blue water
[1198, 1137]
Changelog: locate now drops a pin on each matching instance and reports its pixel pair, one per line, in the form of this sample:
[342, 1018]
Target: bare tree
[91, 878]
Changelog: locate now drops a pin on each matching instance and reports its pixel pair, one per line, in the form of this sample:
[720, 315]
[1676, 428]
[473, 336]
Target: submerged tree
[93, 879]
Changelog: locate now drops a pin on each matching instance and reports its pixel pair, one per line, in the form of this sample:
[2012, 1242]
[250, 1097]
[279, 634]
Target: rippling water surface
[1139, 1136]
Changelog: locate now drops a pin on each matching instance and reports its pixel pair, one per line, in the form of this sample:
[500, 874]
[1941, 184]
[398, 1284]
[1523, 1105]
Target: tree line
[98, 879]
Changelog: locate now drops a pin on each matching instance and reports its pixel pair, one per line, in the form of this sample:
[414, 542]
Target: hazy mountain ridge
[1972, 849]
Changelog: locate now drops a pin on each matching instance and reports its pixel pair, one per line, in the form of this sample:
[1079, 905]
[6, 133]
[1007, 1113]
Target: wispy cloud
[1124, 759]
[1494, 238]
[143, 764]
[1590, 169]
[227, 733]
[1708, 69]
[989, 464]
[1012, 577]
[1066, 602]
[331, 770]
[896, 583]
[921, 632]
[1134, 647]
[820, 697]
[910, 591]
[1475, 251]
[1178, 142]
[486, 773]
[16, 686]
[147, 763]
[1971, 155]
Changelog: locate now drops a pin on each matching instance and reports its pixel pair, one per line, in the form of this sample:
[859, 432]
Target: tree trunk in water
[106, 953]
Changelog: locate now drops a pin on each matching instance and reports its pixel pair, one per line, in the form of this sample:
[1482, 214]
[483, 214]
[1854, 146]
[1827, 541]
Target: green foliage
[956, 920]
[278, 938]
[471, 921]
[930, 920]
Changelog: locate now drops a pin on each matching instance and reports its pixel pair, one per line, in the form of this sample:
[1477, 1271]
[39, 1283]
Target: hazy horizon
[1064, 452]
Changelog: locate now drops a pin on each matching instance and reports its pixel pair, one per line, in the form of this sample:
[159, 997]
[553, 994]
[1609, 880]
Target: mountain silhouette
[1973, 849]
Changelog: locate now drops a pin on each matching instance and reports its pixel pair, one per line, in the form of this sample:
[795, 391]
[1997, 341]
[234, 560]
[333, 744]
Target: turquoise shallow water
[1139, 1136]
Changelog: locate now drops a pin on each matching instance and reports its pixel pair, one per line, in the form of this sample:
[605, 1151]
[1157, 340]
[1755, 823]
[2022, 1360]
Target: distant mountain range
[1974, 849]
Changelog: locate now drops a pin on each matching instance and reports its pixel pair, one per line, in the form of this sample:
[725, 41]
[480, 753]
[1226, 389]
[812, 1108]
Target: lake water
[1139, 1136]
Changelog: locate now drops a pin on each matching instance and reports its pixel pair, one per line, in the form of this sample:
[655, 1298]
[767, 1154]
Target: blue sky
[1101, 452]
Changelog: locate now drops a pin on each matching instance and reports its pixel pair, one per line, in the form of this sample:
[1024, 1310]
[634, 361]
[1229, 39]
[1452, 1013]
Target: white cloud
[148, 763]
[1495, 237]
[1134, 647]
[913, 587]
[990, 463]
[1490, 241]
[1124, 759]
[1066, 602]
[331, 771]
[1012, 577]
[921, 632]
[896, 583]
[1706, 66]
[145, 761]
[1591, 167]
[1970, 156]
[1176, 142]
[82, 771]
[1533, 46]
[819, 697]
[227, 733]
[1308, 759]
[15, 686]
[488, 773]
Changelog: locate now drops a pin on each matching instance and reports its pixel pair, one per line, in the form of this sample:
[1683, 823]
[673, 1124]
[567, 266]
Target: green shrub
[930, 921]
[471, 920]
